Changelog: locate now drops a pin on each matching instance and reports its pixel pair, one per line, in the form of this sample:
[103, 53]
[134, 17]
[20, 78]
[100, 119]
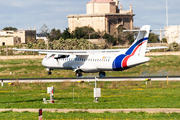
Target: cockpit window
[62, 56]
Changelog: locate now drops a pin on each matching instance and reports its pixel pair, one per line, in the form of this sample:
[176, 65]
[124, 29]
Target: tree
[44, 29]
[109, 39]
[66, 34]
[10, 28]
[85, 32]
[175, 46]
[54, 34]
[101, 33]
[164, 40]
[72, 44]
[153, 38]
[121, 36]
[130, 38]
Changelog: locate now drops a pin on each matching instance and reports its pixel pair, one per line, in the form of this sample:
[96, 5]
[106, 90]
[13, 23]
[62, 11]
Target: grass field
[115, 95]
[158, 66]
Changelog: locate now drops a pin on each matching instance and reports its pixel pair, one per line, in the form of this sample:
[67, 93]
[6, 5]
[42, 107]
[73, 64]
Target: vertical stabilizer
[138, 48]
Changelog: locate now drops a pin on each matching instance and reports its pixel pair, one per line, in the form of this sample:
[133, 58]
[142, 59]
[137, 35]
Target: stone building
[103, 16]
[10, 37]
[172, 34]
[9, 41]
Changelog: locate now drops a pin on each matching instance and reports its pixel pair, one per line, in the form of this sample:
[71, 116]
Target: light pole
[167, 13]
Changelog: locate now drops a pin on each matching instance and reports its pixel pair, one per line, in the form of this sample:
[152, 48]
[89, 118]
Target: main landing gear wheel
[102, 74]
[78, 74]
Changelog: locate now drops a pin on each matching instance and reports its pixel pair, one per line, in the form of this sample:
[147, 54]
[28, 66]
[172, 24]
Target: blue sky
[25, 14]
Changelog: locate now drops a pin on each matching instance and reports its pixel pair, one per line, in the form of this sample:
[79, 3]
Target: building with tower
[104, 16]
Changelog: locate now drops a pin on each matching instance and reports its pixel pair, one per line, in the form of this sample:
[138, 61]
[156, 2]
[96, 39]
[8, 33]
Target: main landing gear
[102, 74]
[78, 74]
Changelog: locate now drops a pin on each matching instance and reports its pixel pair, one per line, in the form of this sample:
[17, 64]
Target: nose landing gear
[49, 71]
[78, 74]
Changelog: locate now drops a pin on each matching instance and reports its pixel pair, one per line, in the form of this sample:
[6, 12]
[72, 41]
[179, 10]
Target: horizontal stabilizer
[134, 30]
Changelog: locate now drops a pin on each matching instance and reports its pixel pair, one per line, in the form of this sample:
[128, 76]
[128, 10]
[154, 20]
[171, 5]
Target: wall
[116, 21]
[10, 41]
[30, 35]
[6, 40]
[162, 53]
[21, 34]
[172, 34]
[97, 41]
[22, 57]
[100, 8]
[97, 22]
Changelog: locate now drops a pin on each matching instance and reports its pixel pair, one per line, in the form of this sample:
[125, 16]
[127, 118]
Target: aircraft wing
[82, 52]
[72, 52]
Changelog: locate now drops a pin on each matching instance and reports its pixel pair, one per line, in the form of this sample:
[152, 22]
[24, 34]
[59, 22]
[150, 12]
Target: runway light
[147, 81]
[80, 81]
[10, 84]
[2, 83]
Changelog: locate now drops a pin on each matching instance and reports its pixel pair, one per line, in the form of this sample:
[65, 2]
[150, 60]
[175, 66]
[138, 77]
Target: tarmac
[147, 110]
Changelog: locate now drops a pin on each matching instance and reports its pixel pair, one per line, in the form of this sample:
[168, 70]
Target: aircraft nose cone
[44, 62]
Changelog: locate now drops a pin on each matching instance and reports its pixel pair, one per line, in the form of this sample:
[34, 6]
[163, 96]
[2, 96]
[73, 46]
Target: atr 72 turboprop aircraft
[91, 61]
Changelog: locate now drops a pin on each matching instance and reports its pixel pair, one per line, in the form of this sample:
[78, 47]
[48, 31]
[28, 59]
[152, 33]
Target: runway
[142, 78]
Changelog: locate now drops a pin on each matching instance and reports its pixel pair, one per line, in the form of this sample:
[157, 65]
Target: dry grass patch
[65, 85]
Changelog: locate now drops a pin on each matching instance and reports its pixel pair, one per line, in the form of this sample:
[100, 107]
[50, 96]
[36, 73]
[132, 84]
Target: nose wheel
[49, 71]
[78, 74]
[102, 74]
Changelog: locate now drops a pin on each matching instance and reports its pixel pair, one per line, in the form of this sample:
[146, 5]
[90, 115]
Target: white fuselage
[91, 63]
[96, 62]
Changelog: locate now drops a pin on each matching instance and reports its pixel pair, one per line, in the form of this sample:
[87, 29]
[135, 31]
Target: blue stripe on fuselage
[131, 49]
[117, 63]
